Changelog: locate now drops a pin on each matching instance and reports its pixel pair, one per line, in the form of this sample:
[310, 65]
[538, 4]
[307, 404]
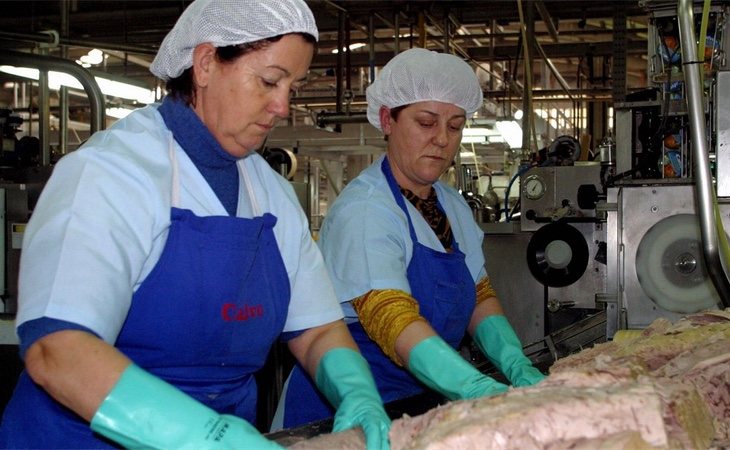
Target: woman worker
[405, 254]
[165, 257]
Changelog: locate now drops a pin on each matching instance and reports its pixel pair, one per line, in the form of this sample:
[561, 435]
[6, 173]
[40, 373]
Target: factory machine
[21, 180]
[25, 166]
[671, 167]
[620, 241]
[24, 169]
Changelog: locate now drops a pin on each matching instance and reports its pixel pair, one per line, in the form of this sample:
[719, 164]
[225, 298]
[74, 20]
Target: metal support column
[620, 41]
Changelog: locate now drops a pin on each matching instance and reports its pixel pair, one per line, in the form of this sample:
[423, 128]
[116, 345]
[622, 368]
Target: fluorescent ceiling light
[511, 131]
[479, 131]
[108, 87]
[20, 71]
[124, 90]
[474, 139]
[94, 57]
[352, 46]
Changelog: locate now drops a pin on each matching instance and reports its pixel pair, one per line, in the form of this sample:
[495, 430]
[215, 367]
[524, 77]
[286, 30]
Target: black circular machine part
[557, 255]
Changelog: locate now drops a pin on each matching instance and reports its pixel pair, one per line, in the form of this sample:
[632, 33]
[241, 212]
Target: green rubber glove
[144, 411]
[498, 341]
[437, 365]
[344, 377]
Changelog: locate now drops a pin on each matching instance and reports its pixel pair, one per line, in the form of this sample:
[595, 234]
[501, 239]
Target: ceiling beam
[499, 53]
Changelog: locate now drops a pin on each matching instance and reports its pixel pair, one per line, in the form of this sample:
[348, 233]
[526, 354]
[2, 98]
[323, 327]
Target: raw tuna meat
[667, 388]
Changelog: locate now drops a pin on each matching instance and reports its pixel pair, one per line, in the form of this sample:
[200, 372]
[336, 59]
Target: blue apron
[203, 320]
[446, 295]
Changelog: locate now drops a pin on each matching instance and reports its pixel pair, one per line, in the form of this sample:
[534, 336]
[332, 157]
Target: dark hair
[395, 111]
[183, 86]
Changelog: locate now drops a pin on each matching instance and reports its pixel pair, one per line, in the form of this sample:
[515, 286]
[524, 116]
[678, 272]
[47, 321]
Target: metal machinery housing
[620, 241]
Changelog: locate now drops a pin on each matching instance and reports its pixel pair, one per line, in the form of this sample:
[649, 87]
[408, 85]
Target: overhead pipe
[50, 39]
[348, 61]
[63, 92]
[447, 33]
[340, 44]
[45, 63]
[371, 48]
[129, 57]
[324, 119]
[458, 50]
[421, 29]
[343, 74]
[554, 70]
[324, 61]
[547, 18]
[504, 35]
[703, 184]
[384, 20]
[584, 94]
[396, 27]
[449, 45]
[595, 94]
[44, 118]
[527, 25]
[340, 8]
[324, 100]
[618, 57]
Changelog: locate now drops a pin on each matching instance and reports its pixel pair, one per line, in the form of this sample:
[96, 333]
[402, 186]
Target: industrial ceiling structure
[580, 52]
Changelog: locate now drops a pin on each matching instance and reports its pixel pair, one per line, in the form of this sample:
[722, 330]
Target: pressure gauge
[534, 187]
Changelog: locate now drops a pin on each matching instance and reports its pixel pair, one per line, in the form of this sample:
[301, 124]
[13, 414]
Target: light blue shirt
[102, 220]
[366, 243]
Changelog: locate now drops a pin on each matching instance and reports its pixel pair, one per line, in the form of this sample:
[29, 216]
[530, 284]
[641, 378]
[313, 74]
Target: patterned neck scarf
[434, 216]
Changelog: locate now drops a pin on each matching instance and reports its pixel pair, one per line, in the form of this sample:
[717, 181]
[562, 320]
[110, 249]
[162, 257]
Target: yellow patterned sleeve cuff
[384, 314]
[485, 290]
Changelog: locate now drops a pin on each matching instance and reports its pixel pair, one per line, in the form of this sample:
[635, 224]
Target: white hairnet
[228, 22]
[418, 75]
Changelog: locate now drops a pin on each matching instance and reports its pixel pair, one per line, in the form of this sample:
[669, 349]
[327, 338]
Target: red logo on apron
[235, 313]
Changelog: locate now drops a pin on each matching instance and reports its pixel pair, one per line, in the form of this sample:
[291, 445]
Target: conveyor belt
[570, 339]
[583, 333]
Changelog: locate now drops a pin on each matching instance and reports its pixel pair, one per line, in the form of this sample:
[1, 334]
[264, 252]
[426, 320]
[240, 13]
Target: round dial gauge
[534, 187]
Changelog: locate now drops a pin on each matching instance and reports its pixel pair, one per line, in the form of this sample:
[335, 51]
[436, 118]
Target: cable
[517, 174]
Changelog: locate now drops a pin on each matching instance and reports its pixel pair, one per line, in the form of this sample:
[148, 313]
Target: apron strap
[395, 190]
[175, 188]
[249, 188]
[175, 200]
